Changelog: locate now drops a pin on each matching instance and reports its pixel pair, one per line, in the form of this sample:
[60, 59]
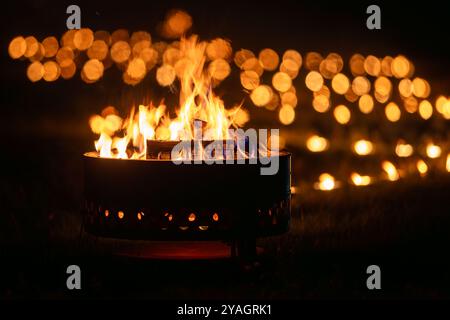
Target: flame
[197, 102]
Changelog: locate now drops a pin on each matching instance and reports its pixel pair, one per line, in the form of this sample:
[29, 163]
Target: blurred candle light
[422, 167]
[403, 149]
[314, 81]
[390, 170]
[249, 79]
[293, 55]
[289, 98]
[447, 163]
[83, 39]
[35, 71]
[392, 112]
[433, 151]
[281, 81]
[359, 180]
[400, 67]
[340, 83]
[290, 67]
[321, 103]
[411, 104]
[405, 87]
[316, 143]
[366, 103]
[219, 69]
[269, 59]
[286, 114]
[421, 88]
[446, 109]
[165, 75]
[313, 60]
[386, 63]
[440, 102]
[372, 65]
[357, 64]
[32, 47]
[326, 182]
[17, 47]
[342, 114]
[261, 95]
[425, 109]
[241, 56]
[361, 85]
[363, 147]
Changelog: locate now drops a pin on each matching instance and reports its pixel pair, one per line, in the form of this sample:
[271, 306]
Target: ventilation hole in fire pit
[106, 213]
[203, 228]
[168, 216]
[215, 216]
[120, 214]
[192, 217]
[140, 215]
[184, 228]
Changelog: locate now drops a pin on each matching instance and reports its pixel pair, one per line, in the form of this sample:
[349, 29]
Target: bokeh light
[286, 114]
[392, 112]
[317, 143]
[342, 114]
[363, 147]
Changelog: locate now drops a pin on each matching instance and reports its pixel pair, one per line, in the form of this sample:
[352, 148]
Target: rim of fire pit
[95, 155]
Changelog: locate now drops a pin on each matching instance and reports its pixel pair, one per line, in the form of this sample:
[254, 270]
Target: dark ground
[403, 227]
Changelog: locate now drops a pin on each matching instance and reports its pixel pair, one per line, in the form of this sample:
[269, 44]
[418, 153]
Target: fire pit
[156, 199]
[164, 173]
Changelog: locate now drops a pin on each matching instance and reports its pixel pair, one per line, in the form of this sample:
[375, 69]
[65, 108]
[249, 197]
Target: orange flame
[197, 101]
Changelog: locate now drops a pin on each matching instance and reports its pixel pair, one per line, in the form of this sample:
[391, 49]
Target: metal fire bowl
[159, 200]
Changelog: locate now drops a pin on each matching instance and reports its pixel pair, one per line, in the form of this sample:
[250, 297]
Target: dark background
[44, 131]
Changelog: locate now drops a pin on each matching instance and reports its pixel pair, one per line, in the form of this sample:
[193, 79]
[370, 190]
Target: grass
[403, 227]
